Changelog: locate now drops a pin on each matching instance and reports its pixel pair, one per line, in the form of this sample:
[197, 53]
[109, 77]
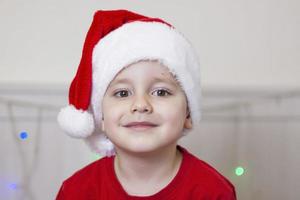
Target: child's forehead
[152, 69]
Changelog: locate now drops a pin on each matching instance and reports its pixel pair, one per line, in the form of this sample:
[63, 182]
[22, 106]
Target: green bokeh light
[239, 171]
[95, 157]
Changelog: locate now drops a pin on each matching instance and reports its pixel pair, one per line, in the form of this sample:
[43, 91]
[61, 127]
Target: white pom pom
[100, 144]
[76, 123]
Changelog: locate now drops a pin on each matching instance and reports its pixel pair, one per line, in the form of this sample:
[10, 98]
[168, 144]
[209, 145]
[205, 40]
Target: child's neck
[144, 175]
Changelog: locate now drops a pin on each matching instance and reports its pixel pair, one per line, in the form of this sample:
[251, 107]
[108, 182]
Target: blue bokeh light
[23, 135]
[12, 186]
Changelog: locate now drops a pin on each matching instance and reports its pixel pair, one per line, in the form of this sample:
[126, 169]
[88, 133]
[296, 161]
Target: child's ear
[188, 121]
[102, 125]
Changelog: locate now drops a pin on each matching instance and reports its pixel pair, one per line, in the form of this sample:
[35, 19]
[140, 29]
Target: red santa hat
[118, 38]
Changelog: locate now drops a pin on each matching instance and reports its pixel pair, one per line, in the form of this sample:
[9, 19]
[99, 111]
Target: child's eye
[124, 93]
[121, 93]
[162, 92]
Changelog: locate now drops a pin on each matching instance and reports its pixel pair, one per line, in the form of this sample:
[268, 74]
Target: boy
[141, 77]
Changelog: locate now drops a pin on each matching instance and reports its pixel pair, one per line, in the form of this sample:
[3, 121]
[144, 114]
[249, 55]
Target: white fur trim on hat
[76, 123]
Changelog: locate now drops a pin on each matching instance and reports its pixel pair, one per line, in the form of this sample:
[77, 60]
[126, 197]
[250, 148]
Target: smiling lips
[140, 125]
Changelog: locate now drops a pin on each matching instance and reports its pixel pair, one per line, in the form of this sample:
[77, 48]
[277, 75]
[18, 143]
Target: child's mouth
[141, 127]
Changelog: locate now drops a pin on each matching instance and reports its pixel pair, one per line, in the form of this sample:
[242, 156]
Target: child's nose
[141, 104]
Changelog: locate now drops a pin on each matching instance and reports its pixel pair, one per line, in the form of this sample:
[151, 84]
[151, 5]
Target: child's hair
[117, 39]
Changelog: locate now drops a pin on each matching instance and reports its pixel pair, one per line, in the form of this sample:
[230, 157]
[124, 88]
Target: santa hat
[118, 38]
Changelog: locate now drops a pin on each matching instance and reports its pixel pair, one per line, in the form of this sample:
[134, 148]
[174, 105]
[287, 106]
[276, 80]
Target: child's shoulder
[83, 182]
[89, 174]
[207, 172]
[207, 179]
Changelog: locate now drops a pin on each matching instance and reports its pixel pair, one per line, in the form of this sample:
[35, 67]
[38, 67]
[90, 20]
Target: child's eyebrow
[155, 80]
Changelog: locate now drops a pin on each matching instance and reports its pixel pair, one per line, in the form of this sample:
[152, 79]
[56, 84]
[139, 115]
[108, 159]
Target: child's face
[144, 91]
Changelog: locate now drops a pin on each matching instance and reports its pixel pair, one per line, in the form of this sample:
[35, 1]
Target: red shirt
[195, 180]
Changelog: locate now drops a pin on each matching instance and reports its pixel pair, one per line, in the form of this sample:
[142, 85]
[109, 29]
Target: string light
[239, 171]
[12, 186]
[23, 135]
[95, 156]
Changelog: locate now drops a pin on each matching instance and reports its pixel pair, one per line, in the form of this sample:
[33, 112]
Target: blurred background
[250, 56]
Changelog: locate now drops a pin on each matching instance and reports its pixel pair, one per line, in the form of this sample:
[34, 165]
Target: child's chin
[142, 148]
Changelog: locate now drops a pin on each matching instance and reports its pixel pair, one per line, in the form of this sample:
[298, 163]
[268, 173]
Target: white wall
[240, 43]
